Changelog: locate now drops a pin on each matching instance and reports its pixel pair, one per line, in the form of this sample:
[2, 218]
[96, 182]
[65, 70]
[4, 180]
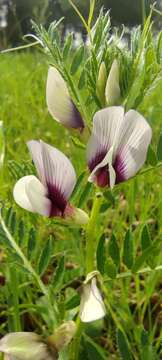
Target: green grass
[134, 302]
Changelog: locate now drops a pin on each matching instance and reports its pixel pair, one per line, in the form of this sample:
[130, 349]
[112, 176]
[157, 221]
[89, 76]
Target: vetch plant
[97, 90]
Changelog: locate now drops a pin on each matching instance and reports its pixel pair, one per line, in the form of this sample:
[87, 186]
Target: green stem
[90, 266]
[75, 346]
[143, 10]
[26, 263]
[90, 234]
[142, 271]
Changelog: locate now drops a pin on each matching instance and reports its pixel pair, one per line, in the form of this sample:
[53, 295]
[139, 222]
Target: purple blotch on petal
[102, 174]
[97, 159]
[77, 121]
[119, 168]
[58, 200]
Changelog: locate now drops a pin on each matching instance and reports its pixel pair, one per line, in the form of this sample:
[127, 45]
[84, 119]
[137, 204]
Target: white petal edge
[59, 171]
[30, 194]
[106, 125]
[20, 195]
[135, 137]
[92, 307]
[37, 195]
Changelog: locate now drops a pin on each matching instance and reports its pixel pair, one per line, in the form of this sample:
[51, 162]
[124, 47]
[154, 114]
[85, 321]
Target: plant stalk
[90, 234]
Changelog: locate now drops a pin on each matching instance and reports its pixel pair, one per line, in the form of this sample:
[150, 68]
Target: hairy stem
[90, 234]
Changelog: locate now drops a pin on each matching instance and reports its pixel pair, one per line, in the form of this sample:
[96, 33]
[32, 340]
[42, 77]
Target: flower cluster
[115, 152]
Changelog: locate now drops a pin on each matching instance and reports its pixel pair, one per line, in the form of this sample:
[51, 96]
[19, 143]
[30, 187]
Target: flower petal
[60, 106]
[59, 172]
[110, 172]
[30, 194]
[20, 195]
[92, 307]
[37, 195]
[36, 154]
[106, 125]
[135, 137]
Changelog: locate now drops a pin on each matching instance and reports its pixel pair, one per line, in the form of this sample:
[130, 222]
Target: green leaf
[110, 197]
[145, 238]
[73, 302]
[128, 251]
[100, 255]
[31, 243]
[143, 258]
[93, 350]
[45, 257]
[159, 148]
[147, 352]
[59, 274]
[114, 250]
[82, 80]
[21, 231]
[135, 89]
[123, 346]
[85, 194]
[78, 58]
[67, 46]
[151, 157]
[78, 185]
[110, 268]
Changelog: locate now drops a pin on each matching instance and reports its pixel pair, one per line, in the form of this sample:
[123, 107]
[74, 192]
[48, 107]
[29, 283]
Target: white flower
[59, 103]
[92, 306]
[26, 346]
[118, 145]
[48, 194]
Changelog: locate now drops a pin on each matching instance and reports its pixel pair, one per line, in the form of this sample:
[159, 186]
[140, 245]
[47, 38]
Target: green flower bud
[101, 82]
[80, 217]
[112, 91]
[63, 335]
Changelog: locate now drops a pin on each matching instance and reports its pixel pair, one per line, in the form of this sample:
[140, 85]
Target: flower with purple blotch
[118, 145]
[59, 103]
[49, 193]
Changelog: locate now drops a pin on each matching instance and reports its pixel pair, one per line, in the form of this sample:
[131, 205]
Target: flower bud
[112, 91]
[60, 105]
[92, 306]
[26, 346]
[101, 82]
[80, 217]
[63, 335]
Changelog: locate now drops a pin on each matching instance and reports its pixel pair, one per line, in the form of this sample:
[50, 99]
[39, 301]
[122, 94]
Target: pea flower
[118, 145]
[48, 194]
[26, 346]
[112, 90]
[92, 306]
[59, 103]
[30, 346]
